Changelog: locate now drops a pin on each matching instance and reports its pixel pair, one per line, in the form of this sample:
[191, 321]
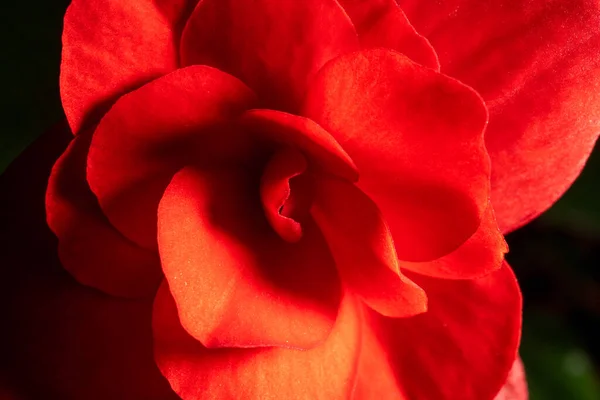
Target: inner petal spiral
[286, 193]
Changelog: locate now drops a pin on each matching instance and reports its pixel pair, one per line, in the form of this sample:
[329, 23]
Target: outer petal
[480, 255]
[382, 23]
[515, 387]
[89, 247]
[462, 348]
[417, 139]
[113, 46]
[151, 133]
[235, 281]
[59, 339]
[195, 372]
[537, 65]
[275, 47]
[363, 249]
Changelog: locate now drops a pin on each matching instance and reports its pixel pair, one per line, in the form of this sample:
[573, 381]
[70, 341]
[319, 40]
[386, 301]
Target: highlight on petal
[462, 348]
[111, 47]
[382, 23]
[306, 135]
[515, 387]
[481, 254]
[149, 134]
[93, 251]
[236, 283]
[323, 373]
[363, 250]
[416, 137]
[62, 340]
[275, 47]
[537, 65]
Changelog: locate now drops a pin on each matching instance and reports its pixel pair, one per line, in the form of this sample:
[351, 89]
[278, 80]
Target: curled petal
[197, 373]
[275, 47]
[230, 273]
[417, 139]
[537, 65]
[363, 250]
[149, 134]
[89, 247]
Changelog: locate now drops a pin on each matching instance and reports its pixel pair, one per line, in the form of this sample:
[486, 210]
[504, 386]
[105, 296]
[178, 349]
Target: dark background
[556, 257]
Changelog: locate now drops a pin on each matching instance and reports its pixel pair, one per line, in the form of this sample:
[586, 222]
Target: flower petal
[462, 348]
[149, 134]
[515, 387]
[89, 247]
[303, 134]
[62, 340]
[478, 256]
[196, 373]
[382, 23]
[111, 47]
[417, 139]
[537, 65]
[363, 250]
[275, 47]
[231, 274]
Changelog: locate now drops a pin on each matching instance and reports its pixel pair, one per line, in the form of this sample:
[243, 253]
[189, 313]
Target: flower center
[286, 193]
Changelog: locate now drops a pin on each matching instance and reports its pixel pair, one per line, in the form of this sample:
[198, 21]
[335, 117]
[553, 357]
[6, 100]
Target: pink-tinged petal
[235, 281]
[417, 139]
[463, 347]
[303, 134]
[515, 387]
[275, 47]
[363, 249]
[113, 46]
[481, 254]
[89, 248]
[537, 65]
[60, 339]
[382, 23]
[196, 373]
[149, 134]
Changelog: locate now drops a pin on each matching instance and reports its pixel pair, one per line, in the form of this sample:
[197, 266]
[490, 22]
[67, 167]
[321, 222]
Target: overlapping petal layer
[113, 46]
[463, 347]
[480, 255]
[515, 387]
[275, 47]
[196, 373]
[537, 65]
[62, 340]
[235, 281]
[382, 23]
[363, 249]
[417, 139]
[182, 118]
[89, 247]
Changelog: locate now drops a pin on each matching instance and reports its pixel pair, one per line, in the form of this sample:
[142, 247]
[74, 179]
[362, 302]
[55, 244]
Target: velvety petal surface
[363, 249]
[236, 283]
[382, 23]
[537, 65]
[275, 47]
[196, 373]
[303, 134]
[417, 139]
[93, 251]
[481, 254]
[60, 339]
[515, 387]
[113, 46]
[149, 134]
[463, 347]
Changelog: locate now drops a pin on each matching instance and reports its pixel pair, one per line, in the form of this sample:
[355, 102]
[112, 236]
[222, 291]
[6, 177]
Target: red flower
[313, 194]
